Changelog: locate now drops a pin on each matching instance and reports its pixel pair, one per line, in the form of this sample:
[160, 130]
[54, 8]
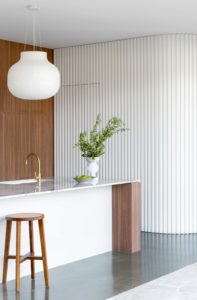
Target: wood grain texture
[31, 240]
[44, 252]
[126, 218]
[6, 251]
[25, 217]
[26, 126]
[18, 253]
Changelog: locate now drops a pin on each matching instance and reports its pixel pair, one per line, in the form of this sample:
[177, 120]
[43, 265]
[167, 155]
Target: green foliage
[94, 145]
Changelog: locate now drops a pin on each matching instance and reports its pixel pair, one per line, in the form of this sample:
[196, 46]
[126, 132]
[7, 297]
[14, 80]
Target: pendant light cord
[34, 30]
[25, 40]
[39, 37]
[36, 24]
[33, 9]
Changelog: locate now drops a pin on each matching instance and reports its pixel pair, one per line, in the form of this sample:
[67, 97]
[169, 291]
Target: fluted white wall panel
[150, 83]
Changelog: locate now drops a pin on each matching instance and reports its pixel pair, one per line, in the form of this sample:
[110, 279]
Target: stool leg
[44, 253]
[18, 246]
[31, 239]
[6, 251]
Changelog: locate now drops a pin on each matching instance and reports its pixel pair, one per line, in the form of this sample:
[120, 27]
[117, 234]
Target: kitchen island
[80, 220]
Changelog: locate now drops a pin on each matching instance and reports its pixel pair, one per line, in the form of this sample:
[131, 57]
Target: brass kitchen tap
[37, 176]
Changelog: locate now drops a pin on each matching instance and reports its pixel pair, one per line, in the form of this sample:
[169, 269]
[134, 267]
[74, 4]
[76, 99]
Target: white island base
[78, 224]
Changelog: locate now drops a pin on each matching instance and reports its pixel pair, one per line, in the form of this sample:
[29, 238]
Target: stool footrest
[27, 256]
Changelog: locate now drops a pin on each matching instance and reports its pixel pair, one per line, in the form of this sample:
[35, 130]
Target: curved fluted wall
[151, 83]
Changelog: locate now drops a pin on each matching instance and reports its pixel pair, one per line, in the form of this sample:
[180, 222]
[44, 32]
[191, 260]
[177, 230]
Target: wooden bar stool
[18, 218]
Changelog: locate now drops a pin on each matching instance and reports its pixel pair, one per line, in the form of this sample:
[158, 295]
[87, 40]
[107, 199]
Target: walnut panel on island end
[126, 218]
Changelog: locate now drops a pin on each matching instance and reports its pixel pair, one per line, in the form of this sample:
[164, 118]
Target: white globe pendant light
[33, 77]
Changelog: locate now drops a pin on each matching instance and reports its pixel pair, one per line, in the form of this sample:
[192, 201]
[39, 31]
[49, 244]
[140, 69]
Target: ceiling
[74, 22]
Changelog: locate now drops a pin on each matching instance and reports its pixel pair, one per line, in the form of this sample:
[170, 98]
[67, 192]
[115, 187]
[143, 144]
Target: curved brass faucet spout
[37, 176]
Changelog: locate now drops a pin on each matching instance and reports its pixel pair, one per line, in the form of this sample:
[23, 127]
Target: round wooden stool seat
[25, 217]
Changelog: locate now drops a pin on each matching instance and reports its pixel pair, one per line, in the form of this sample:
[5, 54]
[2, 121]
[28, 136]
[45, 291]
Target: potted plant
[92, 146]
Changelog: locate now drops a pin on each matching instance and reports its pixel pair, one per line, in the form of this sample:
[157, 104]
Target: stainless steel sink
[24, 181]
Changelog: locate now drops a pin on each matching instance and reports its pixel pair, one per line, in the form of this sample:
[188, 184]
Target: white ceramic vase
[93, 166]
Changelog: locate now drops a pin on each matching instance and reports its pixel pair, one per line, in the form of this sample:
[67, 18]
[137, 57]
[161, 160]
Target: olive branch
[94, 145]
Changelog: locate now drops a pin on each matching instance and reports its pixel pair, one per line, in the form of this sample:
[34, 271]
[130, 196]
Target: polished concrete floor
[108, 274]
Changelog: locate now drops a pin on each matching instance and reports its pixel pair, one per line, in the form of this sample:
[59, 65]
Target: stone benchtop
[51, 185]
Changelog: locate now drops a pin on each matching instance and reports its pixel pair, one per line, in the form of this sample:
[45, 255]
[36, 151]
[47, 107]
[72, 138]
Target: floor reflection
[103, 276]
[27, 292]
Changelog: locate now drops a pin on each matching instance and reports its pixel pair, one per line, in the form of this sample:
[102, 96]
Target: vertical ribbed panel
[150, 83]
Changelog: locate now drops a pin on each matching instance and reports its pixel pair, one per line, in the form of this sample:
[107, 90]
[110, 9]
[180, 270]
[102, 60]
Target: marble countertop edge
[51, 186]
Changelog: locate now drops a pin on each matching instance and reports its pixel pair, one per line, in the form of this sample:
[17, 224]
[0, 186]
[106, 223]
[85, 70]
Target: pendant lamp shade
[33, 77]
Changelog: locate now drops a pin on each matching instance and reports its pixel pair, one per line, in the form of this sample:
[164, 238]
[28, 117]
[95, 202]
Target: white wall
[78, 224]
[150, 83]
